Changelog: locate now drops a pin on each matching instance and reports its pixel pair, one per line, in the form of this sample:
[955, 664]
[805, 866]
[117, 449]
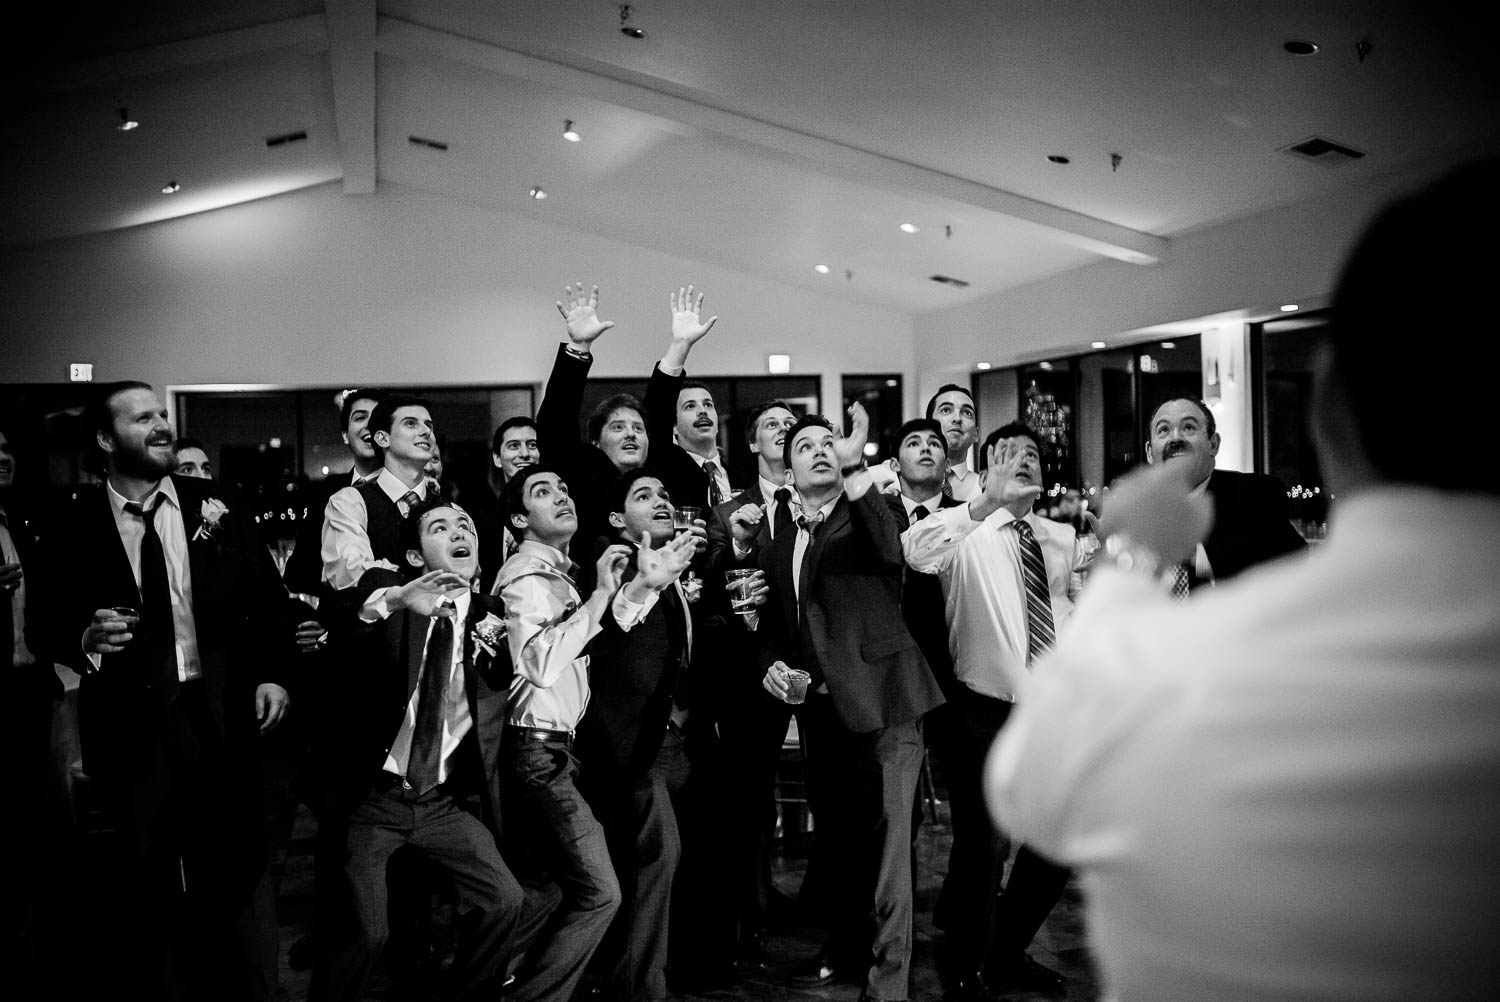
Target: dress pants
[861, 786]
[493, 918]
[551, 831]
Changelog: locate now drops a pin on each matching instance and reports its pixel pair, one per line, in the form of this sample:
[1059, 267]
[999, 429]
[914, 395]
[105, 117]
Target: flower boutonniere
[489, 634]
[212, 511]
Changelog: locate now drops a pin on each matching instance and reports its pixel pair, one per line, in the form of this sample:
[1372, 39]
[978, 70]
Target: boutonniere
[489, 633]
[212, 511]
[692, 587]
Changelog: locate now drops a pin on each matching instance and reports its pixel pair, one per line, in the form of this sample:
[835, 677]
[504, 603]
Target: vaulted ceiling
[765, 137]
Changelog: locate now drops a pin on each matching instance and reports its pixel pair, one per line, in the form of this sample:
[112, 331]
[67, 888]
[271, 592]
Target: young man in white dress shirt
[952, 406]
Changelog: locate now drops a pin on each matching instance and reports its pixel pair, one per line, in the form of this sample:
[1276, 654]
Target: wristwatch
[851, 469]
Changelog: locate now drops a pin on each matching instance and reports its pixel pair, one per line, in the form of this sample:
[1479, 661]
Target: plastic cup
[738, 582]
[685, 516]
[796, 680]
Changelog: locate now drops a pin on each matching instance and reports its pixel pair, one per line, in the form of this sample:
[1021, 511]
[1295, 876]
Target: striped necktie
[1039, 635]
[1181, 582]
[715, 494]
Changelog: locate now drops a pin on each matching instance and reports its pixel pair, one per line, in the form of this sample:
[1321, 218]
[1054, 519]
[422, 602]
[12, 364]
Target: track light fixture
[571, 134]
[126, 122]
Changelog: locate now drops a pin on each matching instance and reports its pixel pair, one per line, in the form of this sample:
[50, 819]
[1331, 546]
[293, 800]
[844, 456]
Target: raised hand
[850, 449]
[421, 594]
[745, 523]
[687, 323]
[1001, 485]
[1154, 507]
[580, 311]
[656, 569]
[610, 568]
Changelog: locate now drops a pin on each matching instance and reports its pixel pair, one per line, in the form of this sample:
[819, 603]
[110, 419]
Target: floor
[1060, 945]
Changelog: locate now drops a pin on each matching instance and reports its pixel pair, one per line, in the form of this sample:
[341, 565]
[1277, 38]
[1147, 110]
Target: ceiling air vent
[286, 137]
[957, 283]
[431, 144]
[1322, 151]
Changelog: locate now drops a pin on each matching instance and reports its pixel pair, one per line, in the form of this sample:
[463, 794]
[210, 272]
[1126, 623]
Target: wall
[316, 287]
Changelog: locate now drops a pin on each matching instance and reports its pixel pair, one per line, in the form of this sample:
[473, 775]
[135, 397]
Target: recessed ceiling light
[1300, 47]
[171, 188]
[908, 228]
[1289, 308]
[537, 193]
[625, 29]
[1169, 345]
[983, 366]
[126, 123]
[571, 134]
[1058, 158]
[1096, 344]
[778, 365]
[821, 269]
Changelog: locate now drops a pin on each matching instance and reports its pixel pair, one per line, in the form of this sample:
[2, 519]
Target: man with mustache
[952, 406]
[1008, 579]
[171, 705]
[1252, 519]
[548, 625]
[835, 612]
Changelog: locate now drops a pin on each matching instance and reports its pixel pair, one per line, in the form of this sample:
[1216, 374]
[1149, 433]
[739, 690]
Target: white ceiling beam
[307, 34]
[651, 96]
[351, 57]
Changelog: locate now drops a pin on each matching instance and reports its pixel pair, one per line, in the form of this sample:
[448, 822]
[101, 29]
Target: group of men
[530, 694]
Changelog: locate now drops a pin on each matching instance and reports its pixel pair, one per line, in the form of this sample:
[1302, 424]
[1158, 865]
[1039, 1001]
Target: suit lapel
[120, 578]
[837, 519]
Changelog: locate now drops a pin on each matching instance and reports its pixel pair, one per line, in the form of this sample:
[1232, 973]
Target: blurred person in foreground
[1289, 788]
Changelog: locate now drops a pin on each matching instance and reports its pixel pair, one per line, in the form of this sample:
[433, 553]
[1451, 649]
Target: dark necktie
[1039, 636]
[407, 502]
[918, 513]
[426, 755]
[782, 520]
[948, 485]
[156, 594]
[808, 524]
[715, 496]
[1181, 581]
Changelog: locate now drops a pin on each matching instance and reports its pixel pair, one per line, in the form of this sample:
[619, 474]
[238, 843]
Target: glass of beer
[684, 517]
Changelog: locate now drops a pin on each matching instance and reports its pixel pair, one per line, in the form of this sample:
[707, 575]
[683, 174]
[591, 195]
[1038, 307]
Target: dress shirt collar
[165, 488]
[393, 488]
[769, 488]
[700, 460]
[549, 555]
[959, 471]
[932, 504]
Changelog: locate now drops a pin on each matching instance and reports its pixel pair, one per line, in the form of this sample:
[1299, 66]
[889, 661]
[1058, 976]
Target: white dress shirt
[984, 595]
[172, 532]
[1289, 787]
[963, 483]
[457, 722]
[720, 475]
[346, 548]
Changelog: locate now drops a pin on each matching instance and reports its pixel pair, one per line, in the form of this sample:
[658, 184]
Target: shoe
[1021, 973]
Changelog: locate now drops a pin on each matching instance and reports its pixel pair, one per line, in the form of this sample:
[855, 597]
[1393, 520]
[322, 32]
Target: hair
[752, 420]
[919, 424]
[949, 388]
[1015, 429]
[805, 421]
[626, 482]
[1213, 426]
[694, 384]
[518, 421]
[513, 495]
[410, 533]
[1415, 255]
[600, 417]
[350, 397]
[385, 414]
[187, 442]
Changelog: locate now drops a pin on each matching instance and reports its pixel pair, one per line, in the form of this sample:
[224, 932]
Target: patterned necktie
[407, 502]
[426, 756]
[781, 521]
[715, 496]
[1181, 582]
[1039, 636]
[809, 523]
[156, 594]
[948, 484]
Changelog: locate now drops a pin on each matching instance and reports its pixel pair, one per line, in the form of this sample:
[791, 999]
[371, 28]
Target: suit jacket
[923, 607]
[633, 677]
[379, 678]
[679, 472]
[245, 636]
[1252, 522]
[851, 620]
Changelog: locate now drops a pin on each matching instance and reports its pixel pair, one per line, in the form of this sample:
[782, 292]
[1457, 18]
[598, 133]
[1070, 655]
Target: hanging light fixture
[571, 134]
[126, 123]
[171, 188]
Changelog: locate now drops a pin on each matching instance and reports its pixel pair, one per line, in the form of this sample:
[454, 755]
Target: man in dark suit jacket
[619, 438]
[835, 613]
[1252, 519]
[413, 760]
[171, 703]
[633, 761]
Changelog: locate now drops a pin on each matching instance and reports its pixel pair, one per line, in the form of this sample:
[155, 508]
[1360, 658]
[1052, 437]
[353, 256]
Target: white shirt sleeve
[932, 544]
[346, 548]
[545, 637]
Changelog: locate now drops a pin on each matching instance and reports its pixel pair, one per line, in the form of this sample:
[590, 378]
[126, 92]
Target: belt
[525, 734]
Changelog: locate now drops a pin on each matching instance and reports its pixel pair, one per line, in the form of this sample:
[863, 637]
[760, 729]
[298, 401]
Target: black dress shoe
[1021, 973]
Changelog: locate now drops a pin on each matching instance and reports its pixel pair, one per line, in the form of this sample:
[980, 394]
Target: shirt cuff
[857, 484]
[629, 614]
[375, 608]
[741, 552]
